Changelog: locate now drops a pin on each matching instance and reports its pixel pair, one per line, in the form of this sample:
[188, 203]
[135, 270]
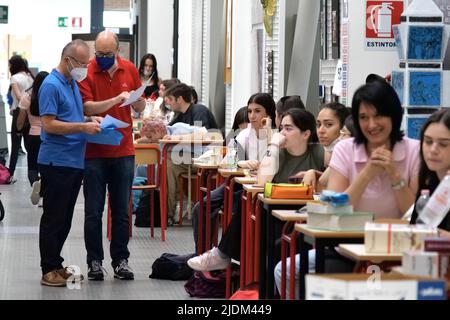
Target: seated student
[293, 150]
[435, 158]
[330, 130]
[240, 123]
[251, 145]
[330, 123]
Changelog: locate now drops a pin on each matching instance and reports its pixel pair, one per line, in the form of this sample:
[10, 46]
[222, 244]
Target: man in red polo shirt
[109, 83]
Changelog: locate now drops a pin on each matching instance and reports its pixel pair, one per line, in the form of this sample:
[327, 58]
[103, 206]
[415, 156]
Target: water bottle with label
[438, 206]
[232, 156]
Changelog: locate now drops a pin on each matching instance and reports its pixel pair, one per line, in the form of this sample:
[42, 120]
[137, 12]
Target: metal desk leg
[304, 265]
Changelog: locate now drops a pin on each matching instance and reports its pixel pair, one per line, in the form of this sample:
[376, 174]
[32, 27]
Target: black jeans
[16, 140]
[61, 187]
[33, 144]
[117, 174]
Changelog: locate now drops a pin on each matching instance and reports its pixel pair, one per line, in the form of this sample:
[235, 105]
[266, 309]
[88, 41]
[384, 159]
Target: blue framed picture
[414, 125]
[398, 83]
[425, 89]
[425, 42]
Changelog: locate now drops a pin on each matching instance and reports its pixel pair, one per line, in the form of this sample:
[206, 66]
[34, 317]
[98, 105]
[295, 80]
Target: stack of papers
[109, 135]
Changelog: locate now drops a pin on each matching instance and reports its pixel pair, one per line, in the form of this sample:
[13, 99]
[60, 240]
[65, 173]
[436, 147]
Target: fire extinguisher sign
[381, 15]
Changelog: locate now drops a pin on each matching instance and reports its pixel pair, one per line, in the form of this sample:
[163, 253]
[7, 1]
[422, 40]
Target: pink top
[35, 122]
[349, 159]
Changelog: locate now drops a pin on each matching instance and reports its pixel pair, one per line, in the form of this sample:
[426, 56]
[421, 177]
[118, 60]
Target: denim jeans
[116, 174]
[61, 187]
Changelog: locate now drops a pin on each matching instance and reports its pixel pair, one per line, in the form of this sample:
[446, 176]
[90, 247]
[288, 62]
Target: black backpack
[143, 210]
[172, 267]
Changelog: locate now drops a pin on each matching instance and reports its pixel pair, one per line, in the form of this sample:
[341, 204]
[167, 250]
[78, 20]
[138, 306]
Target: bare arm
[52, 126]
[92, 108]
[21, 119]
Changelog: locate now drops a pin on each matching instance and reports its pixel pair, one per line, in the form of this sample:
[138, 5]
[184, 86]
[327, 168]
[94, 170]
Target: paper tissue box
[421, 263]
[372, 287]
[395, 238]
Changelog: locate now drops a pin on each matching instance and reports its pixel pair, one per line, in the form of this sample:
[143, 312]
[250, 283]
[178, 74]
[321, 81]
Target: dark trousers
[217, 201]
[61, 189]
[16, 140]
[116, 174]
[33, 144]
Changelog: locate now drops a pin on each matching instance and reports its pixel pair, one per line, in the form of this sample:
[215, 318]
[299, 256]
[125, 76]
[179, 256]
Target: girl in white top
[21, 80]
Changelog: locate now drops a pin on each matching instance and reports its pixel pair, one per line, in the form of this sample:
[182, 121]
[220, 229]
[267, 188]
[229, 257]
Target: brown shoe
[67, 273]
[53, 279]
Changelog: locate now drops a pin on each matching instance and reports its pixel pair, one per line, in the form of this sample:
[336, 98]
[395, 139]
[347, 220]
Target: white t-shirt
[24, 81]
[254, 148]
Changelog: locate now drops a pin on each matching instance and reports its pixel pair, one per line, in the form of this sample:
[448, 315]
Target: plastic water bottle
[439, 204]
[232, 156]
[421, 203]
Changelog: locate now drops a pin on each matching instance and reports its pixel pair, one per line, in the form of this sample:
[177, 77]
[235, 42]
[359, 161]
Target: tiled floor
[19, 255]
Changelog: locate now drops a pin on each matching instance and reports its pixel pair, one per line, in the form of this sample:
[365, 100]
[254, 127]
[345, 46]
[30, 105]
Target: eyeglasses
[83, 65]
[99, 54]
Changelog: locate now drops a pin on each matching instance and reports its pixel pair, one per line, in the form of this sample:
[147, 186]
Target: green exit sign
[4, 14]
[63, 22]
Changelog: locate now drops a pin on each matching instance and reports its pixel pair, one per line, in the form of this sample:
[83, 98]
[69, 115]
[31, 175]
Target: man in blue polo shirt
[61, 156]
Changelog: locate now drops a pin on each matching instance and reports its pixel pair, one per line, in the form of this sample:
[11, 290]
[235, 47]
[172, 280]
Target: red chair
[145, 154]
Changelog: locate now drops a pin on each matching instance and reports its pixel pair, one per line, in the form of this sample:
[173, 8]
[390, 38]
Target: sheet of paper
[112, 123]
[108, 136]
[136, 95]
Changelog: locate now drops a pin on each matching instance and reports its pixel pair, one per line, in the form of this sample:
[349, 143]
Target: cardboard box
[395, 238]
[373, 287]
[339, 222]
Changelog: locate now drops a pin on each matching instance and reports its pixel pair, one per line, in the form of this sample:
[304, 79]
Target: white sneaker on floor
[35, 192]
[209, 261]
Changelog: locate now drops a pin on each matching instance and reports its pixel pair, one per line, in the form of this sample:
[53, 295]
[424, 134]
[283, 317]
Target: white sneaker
[35, 192]
[209, 261]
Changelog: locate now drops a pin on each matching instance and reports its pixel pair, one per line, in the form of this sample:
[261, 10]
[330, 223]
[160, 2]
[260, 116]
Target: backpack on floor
[5, 176]
[143, 210]
[172, 267]
[207, 284]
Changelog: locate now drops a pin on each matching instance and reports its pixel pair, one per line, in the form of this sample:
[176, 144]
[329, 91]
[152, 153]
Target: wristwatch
[399, 186]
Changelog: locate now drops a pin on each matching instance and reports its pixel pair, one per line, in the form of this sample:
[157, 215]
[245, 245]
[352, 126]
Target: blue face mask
[105, 63]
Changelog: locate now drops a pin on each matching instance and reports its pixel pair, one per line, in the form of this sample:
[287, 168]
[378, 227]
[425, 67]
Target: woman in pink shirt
[379, 167]
[29, 107]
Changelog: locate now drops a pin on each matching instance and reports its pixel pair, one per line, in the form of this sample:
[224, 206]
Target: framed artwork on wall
[425, 89]
[414, 125]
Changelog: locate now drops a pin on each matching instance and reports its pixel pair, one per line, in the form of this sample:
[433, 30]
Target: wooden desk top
[227, 173]
[357, 252]
[200, 165]
[246, 180]
[303, 228]
[250, 188]
[294, 202]
[202, 142]
[289, 215]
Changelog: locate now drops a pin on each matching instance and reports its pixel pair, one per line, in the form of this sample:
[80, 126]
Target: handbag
[288, 191]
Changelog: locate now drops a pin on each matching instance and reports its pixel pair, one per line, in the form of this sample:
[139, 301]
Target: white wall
[361, 61]
[40, 20]
[160, 34]
[185, 42]
[241, 66]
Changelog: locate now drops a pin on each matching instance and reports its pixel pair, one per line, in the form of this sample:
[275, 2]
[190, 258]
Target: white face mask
[79, 74]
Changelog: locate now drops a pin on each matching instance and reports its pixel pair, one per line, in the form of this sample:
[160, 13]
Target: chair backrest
[147, 154]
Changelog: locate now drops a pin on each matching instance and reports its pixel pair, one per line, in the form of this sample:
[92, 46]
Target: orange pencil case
[288, 191]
